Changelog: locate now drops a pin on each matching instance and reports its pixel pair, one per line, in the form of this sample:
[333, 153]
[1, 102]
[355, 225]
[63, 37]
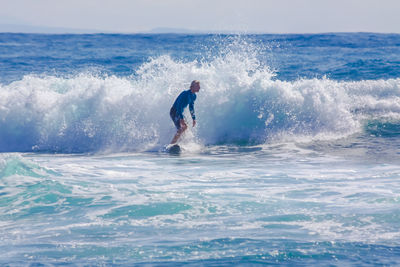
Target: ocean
[294, 161]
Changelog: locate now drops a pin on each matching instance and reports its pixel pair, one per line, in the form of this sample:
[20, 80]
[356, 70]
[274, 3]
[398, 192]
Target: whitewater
[294, 159]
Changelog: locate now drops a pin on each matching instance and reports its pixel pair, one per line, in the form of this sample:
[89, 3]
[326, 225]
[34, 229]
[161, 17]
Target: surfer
[182, 101]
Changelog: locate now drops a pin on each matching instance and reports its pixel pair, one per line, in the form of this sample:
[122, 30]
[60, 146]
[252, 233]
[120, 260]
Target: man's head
[195, 86]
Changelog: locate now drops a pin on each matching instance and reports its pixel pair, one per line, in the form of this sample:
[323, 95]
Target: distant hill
[173, 30]
[189, 31]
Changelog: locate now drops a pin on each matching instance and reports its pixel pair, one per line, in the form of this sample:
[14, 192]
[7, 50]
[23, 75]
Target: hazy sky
[276, 16]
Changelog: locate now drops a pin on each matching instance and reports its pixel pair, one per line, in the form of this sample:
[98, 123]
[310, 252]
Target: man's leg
[180, 131]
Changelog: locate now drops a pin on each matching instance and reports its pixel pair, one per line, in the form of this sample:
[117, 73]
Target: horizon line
[30, 29]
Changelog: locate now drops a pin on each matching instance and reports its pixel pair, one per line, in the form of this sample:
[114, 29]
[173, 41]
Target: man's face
[196, 87]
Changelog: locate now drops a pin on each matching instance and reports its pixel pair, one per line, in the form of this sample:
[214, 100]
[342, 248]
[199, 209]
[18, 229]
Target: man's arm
[191, 109]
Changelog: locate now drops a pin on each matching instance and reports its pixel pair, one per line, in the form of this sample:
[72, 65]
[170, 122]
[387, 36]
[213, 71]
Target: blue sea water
[295, 158]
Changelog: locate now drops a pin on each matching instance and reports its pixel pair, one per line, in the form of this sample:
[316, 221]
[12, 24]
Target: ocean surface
[295, 158]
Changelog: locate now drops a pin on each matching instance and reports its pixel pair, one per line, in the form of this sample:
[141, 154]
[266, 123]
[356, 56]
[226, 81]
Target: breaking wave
[240, 102]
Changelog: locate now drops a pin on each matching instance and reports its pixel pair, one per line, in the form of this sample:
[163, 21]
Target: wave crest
[240, 103]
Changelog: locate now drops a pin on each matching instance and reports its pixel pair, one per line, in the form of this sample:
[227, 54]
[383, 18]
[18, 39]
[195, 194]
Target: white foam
[240, 101]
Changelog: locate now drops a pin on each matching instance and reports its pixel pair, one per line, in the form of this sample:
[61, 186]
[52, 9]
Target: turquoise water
[295, 159]
[271, 204]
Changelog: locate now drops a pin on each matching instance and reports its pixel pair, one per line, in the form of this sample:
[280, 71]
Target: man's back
[182, 101]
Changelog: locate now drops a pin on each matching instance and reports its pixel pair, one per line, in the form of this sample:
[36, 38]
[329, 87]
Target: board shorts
[175, 118]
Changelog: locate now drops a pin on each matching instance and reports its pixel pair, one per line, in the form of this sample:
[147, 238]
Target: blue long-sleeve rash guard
[182, 101]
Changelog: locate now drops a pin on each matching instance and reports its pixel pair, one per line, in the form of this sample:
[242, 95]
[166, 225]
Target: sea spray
[240, 102]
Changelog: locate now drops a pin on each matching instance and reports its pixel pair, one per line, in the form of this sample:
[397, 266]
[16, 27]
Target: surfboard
[174, 149]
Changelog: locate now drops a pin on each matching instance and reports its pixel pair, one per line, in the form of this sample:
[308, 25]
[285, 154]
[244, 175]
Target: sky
[261, 16]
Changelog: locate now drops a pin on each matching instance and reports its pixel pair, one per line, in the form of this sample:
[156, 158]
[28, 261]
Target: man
[182, 101]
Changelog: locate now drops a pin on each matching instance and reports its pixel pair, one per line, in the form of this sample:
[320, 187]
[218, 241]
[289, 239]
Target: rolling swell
[240, 103]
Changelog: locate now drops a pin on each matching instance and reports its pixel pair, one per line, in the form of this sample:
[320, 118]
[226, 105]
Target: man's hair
[194, 83]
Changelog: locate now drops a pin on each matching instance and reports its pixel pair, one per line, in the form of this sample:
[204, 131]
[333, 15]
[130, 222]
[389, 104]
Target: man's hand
[194, 123]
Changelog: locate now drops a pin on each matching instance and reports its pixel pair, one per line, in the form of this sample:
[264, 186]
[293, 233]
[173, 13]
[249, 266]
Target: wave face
[241, 102]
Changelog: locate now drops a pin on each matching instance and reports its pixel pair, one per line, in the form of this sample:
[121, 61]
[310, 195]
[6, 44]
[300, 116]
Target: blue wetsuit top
[185, 98]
